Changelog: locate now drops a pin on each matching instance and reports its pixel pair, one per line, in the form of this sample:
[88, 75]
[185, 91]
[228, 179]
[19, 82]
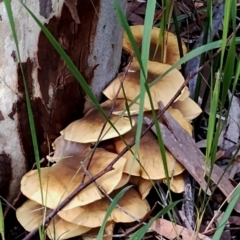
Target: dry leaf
[141, 10]
[171, 231]
[234, 220]
[203, 143]
[135, 19]
[219, 154]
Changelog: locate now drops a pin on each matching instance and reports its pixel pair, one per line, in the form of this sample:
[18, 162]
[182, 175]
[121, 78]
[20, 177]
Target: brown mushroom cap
[144, 185]
[149, 156]
[120, 106]
[92, 215]
[184, 95]
[62, 179]
[188, 108]
[124, 180]
[162, 91]
[171, 47]
[94, 232]
[30, 215]
[177, 115]
[177, 183]
[88, 128]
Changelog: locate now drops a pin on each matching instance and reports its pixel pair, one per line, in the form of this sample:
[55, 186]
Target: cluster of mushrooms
[84, 214]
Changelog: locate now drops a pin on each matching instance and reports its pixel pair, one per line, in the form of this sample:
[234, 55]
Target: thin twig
[100, 188]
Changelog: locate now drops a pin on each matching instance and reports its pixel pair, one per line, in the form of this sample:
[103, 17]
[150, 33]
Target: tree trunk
[90, 34]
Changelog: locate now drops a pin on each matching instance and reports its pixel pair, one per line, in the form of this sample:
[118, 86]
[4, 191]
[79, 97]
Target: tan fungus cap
[121, 105]
[177, 115]
[30, 215]
[162, 91]
[92, 215]
[188, 108]
[88, 128]
[172, 49]
[62, 179]
[149, 156]
[177, 183]
[144, 185]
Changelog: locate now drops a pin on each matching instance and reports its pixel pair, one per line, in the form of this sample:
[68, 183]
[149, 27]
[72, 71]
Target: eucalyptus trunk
[90, 34]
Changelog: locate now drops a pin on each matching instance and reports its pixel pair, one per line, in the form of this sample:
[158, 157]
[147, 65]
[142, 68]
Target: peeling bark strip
[62, 99]
[94, 46]
[1, 116]
[5, 174]
[71, 4]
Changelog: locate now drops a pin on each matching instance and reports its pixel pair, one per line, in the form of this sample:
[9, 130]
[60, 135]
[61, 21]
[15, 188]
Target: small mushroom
[171, 47]
[30, 215]
[92, 215]
[144, 185]
[162, 91]
[60, 180]
[184, 95]
[88, 128]
[177, 183]
[177, 115]
[124, 180]
[188, 108]
[150, 163]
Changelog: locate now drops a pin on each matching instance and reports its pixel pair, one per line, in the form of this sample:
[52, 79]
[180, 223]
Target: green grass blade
[235, 197]
[29, 109]
[28, 103]
[226, 19]
[71, 67]
[229, 64]
[66, 58]
[1, 222]
[124, 24]
[236, 78]
[143, 59]
[109, 211]
[148, 23]
[207, 34]
[177, 30]
[212, 120]
[203, 49]
[192, 54]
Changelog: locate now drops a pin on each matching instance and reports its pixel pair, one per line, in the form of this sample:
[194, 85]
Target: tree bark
[90, 34]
